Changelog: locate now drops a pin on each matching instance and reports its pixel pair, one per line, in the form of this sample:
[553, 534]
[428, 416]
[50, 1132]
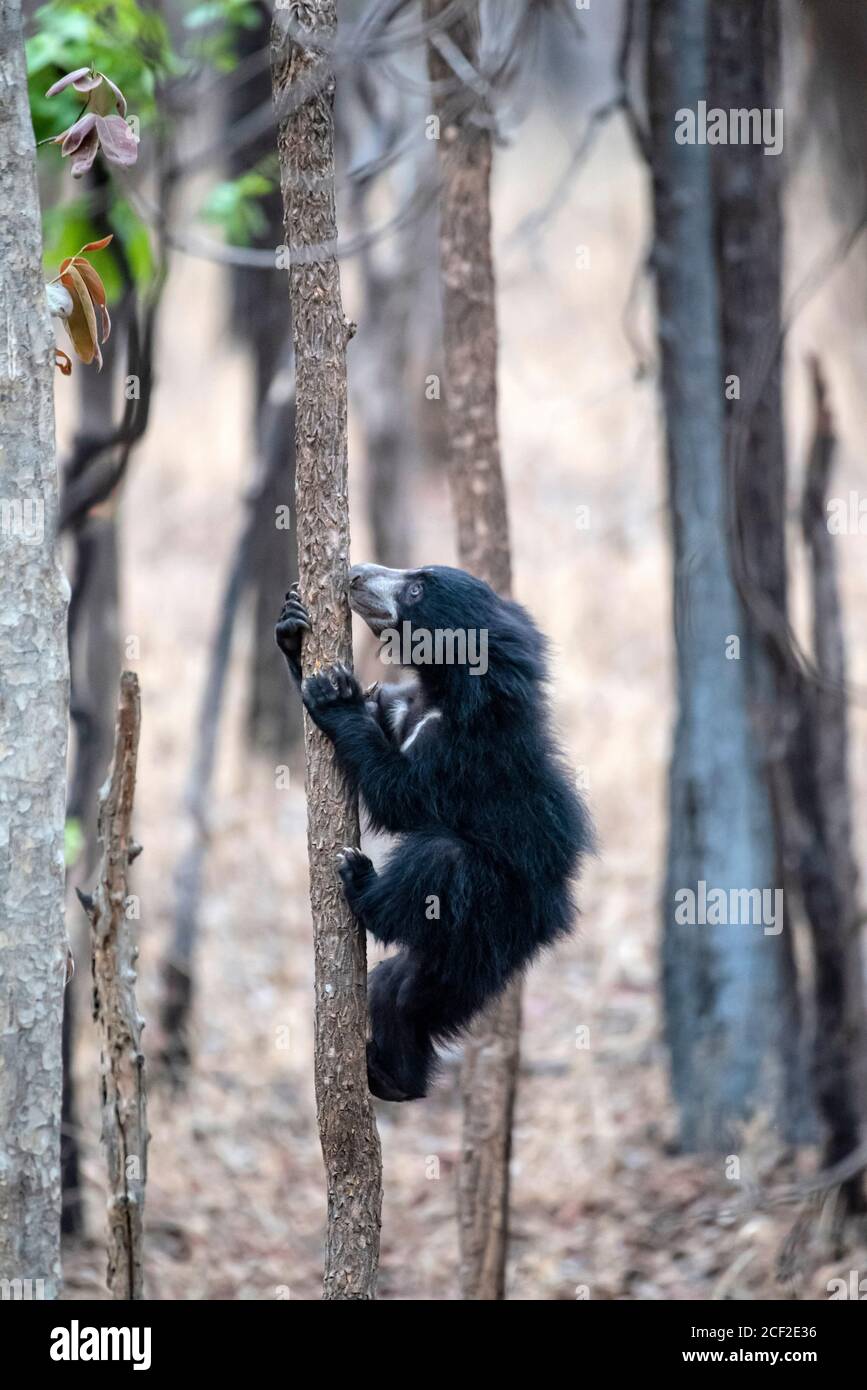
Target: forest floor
[602, 1205]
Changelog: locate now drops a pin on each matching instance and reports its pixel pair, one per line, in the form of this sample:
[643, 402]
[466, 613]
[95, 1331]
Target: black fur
[490, 829]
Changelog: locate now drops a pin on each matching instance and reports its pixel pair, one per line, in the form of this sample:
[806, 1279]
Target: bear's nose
[365, 574]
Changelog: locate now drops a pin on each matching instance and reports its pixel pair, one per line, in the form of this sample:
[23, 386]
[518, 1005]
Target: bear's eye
[415, 591]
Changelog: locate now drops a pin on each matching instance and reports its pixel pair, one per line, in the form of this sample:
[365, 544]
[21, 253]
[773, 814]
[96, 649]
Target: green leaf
[238, 12]
[234, 206]
[215, 24]
[128, 42]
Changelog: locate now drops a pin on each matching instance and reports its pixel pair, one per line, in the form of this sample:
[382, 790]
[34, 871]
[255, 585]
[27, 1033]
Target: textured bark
[822, 796]
[113, 957]
[731, 1018]
[747, 183]
[347, 1128]
[490, 1069]
[489, 1079]
[34, 694]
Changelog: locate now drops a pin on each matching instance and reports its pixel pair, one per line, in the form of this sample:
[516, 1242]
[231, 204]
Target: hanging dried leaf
[119, 145]
[96, 245]
[80, 296]
[96, 290]
[96, 129]
[82, 79]
[82, 321]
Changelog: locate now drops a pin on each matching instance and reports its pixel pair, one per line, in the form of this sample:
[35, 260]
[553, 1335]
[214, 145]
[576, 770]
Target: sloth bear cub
[461, 766]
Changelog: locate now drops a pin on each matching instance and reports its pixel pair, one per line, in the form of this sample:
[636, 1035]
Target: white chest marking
[431, 714]
[397, 716]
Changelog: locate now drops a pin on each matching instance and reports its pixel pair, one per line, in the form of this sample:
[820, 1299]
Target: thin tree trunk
[490, 1069]
[304, 99]
[113, 956]
[744, 46]
[827, 866]
[34, 700]
[731, 1017]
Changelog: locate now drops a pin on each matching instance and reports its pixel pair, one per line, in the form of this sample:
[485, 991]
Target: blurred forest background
[680, 1086]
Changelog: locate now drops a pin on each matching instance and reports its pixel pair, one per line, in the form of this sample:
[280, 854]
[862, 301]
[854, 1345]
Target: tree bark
[745, 74]
[34, 699]
[731, 1015]
[822, 796]
[491, 1059]
[113, 957]
[304, 83]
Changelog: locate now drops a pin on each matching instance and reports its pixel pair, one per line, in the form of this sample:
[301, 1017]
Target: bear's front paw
[293, 622]
[354, 869]
[329, 694]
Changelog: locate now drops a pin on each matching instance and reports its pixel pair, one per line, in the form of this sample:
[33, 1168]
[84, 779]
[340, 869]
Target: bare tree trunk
[731, 1014]
[304, 99]
[34, 698]
[113, 956]
[490, 1070]
[745, 60]
[827, 866]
